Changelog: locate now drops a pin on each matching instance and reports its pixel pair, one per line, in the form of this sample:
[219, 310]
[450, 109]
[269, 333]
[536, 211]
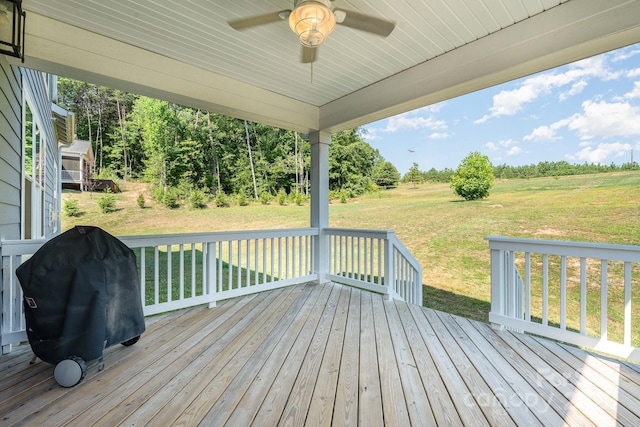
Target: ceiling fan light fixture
[312, 21]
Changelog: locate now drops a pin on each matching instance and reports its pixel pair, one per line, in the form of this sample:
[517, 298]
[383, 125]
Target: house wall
[10, 149]
[39, 91]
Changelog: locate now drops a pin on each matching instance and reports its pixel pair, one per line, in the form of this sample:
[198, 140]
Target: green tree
[386, 175]
[473, 178]
[414, 176]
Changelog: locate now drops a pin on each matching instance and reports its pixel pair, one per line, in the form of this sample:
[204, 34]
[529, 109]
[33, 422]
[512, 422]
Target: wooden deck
[326, 354]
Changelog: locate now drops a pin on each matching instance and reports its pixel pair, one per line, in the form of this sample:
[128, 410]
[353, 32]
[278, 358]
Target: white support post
[497, 285]
[389, 268]
[320, 199]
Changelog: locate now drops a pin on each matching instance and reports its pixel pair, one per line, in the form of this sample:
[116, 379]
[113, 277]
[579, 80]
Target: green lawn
[445, 233]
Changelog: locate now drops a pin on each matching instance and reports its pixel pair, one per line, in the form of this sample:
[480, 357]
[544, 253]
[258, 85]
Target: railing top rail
[20, 247]
[606, 251]
[359, 232]
[405, 252]
[216, 236]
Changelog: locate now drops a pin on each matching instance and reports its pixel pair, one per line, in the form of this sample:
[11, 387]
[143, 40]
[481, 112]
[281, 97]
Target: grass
[445, 233]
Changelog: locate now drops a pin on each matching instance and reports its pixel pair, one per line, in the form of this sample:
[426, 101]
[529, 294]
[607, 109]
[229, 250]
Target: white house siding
[10, 149]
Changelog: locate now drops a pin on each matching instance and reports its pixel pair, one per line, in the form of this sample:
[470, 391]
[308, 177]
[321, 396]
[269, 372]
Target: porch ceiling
[186, 52]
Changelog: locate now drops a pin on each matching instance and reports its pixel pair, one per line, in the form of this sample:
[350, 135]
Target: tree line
[179, 149]
[504, 171]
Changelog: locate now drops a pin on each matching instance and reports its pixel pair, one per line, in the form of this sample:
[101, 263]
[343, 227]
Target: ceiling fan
[314, 20]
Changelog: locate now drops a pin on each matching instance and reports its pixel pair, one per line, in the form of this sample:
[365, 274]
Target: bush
[343, 196]
[158, 194]
[281, 197]
[221, 200]
[107, 202]
[197, 199]
[299, 199]
[265, 197]
[170, 199]
[141, 201]
[242, 199]
[70, 208]
[474, 177]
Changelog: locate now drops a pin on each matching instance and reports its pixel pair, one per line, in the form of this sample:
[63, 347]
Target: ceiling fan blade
[361, 22]
[309, 55]
[254, 21]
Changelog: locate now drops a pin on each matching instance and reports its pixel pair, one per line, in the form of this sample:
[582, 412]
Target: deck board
[326, 355]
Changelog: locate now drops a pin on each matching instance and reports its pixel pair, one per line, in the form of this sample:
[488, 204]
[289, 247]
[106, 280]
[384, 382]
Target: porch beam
[320, 199]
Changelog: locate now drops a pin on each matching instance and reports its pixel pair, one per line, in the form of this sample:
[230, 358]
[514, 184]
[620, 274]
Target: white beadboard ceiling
[184, 51]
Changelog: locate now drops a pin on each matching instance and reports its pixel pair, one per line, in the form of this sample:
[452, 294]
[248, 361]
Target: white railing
[71, 176]
[374, 260]
[580, 293]
[185, 270]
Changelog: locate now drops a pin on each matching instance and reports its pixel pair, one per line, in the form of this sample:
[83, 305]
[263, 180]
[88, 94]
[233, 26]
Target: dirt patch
[549, 232]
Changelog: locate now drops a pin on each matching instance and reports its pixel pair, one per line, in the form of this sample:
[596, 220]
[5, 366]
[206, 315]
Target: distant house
[77, 159]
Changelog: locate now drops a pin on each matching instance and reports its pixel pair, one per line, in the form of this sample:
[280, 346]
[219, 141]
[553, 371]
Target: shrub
[343, 196]
[70, 208]
[107, 202]
[197, 199]
[299, 199]
[158, 194]
[170, 199]
[141, 201]
[242, 199]
[281, 197]
[474, 177]
[265, 197]
[221, 200]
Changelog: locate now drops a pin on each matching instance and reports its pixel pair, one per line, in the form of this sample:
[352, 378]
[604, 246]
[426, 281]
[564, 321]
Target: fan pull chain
[312, 73]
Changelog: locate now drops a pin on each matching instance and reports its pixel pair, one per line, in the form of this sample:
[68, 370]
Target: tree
[474, 177]
[386, 175]
[414, 176]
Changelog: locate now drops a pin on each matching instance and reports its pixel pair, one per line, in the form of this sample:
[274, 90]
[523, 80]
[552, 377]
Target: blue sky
[587, 111]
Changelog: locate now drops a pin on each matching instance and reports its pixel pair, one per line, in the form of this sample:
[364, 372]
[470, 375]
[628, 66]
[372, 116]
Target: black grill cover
[81, 295]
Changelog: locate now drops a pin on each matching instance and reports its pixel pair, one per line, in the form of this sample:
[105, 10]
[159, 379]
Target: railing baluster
[239, 255]
[583, 295]
[143, 277]
[527, 284]
[169, 274]
[256, 259]
[545, 289]
[220, 268]
[627, 303]
[286, 259]
[603, 299]
[181, 280]
[563, 292]
[156, 275]
[193, 270]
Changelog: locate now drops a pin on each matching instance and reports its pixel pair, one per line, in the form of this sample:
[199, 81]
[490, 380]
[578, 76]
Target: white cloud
[510, 102]
[606, 120]
[422, 118]
[624, 54]
[439, 135]
[597, 120]
[504, 143]
[408, 121]
[576, 89]
[601, 152]
[635, 93]
[514, 150]
[633, 73]
[541, 133]
[547, 133]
